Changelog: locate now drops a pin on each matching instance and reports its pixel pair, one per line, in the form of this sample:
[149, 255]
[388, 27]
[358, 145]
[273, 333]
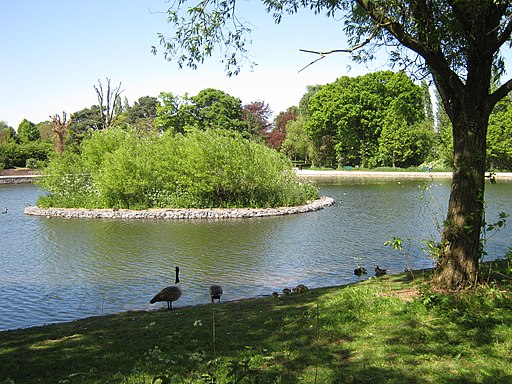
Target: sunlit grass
[387, 330]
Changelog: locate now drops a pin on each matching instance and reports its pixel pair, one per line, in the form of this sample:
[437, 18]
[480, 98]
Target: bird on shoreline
[359, 271]
[379, 271]
[216, 292]
[301, 288]
[169, 294]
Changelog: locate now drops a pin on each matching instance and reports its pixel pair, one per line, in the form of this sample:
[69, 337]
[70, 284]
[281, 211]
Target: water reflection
[59, 270]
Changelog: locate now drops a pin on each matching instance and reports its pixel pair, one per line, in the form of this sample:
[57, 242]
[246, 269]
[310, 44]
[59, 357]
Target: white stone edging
[167, 213]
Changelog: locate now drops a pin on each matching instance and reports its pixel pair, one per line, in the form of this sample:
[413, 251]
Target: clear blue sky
[54, 51]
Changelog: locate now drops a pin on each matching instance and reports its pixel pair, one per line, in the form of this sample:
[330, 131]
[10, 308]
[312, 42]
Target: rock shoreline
[166, 213]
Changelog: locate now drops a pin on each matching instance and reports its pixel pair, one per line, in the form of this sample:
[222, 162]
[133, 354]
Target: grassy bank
[386, 330]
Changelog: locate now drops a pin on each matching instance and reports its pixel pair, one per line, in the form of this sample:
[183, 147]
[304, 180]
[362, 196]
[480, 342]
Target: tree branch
[348, 50]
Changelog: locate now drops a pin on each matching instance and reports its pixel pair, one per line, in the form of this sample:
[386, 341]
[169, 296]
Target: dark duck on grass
[216, 292]
[379, 271]
[169, 294]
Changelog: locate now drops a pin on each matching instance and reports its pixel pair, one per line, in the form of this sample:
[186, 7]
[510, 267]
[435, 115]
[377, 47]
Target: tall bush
[210, 168]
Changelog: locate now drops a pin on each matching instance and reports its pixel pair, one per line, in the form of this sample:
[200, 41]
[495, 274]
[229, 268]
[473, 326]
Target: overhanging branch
[347, 50]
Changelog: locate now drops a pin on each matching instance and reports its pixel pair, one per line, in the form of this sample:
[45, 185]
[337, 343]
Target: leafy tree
[141, 115]
[28, 131]
[83, 124]
[352, 112]
[278, 134]
[257, 115]
[170, 114]
[458, 42]
[298, 144]
[7, 133]
[499, 136]
[444, 140]
[45, 130]
[406, 135]
[212, 108]
[304, 101]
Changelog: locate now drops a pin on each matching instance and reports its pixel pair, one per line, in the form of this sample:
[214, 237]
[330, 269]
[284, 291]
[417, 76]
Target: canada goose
[169, 294]
[359, 271]
[286, 291]
[379, 271]
[275, 294]
[5, 210]
[216, 292]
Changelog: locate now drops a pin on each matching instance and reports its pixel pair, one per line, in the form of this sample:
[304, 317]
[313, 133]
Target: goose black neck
[177, 275]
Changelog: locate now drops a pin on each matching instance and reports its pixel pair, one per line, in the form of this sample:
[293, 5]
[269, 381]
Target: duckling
[301, 288]
[169, 294]
[359, 271]
[379, 271]
[216, 292]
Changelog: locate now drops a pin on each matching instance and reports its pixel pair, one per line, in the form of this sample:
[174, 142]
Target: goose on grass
[169, 294]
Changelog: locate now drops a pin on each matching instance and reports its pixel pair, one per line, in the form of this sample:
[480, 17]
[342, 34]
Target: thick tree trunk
[461, 249]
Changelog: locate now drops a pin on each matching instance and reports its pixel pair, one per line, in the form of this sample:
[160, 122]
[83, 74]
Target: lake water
[55, 270]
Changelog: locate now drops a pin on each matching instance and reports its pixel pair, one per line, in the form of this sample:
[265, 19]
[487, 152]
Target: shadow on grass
[347, 334]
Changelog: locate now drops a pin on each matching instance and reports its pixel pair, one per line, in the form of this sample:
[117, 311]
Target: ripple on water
[58, 270]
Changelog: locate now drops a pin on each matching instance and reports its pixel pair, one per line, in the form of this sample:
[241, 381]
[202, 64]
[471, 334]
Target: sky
[54, 51]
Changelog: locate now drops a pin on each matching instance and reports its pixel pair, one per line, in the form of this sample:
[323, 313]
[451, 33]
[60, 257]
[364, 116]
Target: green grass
[386, 330]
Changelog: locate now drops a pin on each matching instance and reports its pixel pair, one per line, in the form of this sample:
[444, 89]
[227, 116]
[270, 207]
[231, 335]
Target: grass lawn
[387, 330]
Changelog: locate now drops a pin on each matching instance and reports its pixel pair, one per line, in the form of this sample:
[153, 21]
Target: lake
[56, 270]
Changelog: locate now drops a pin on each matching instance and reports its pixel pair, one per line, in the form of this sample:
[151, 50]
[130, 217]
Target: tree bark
[461, 248]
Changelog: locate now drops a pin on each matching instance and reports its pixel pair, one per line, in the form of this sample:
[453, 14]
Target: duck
[286, 291]
[5, 210]
[216, 292]
[275, 294]
[359, 271]
[169, 294]
[379, 271]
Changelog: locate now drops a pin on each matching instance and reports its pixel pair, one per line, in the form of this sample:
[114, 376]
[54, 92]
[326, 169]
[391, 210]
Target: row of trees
[379, 119]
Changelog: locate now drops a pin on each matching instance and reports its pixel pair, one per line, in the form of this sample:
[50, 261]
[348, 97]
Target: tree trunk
[461, 248]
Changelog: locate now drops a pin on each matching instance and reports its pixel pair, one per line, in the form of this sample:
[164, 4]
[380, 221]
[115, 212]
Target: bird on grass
[216, 292]
[359, 271]
[379, 271]
[301, 288]
[287, 291]
[169, 294]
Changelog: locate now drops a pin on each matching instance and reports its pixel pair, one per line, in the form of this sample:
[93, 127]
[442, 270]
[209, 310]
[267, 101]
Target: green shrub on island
[201, 169]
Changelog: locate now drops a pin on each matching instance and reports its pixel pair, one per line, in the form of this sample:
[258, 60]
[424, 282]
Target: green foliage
[499, 136]
[7, 133]
[170, 114]
[212, 108]
[369, 119]
[210, 168]
[16, 155]
[298, 144]
[141, 115]
[27, 131]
